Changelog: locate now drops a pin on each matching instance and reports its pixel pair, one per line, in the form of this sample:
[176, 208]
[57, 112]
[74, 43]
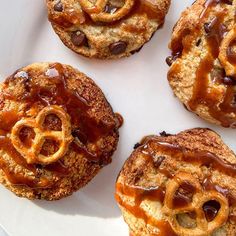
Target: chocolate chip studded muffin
[179, 185]
[106, 28]
[202, 73]
[57, 130]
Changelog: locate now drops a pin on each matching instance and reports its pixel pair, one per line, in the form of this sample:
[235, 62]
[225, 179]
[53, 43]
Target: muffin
[202, 73]
[57, 131]
[106, 28]
[180, 184]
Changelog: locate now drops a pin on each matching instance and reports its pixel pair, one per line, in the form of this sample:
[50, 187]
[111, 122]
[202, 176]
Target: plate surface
[136, 87]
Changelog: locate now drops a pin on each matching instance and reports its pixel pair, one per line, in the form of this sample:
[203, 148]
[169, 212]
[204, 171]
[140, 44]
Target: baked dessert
[106, 28]
[181, 185]
[57, 130]
[202, 73]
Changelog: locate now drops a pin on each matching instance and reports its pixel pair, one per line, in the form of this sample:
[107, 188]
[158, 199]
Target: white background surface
[136, 87]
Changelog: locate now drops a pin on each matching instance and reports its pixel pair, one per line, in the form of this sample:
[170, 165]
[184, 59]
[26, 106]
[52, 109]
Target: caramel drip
[76, 106]
[211, 209]
[19, 178]
[139, 194]
[87, 128]
[184, 194]
[202, 93]
[201, 158]
[209, 185]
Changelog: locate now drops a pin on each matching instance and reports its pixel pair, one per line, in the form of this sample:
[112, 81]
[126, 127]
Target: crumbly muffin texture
[108, 28]
[180, 184]
[57, 131]
[202, 73]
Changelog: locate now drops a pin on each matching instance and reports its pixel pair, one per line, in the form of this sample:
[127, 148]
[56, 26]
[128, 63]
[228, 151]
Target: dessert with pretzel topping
[106, 28]
[179, 185]
[203, 62]
[57, 130]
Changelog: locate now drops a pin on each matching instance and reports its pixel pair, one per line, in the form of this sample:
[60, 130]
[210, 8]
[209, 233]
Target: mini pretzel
[96, 11]
[225, 48]
[63, 137]
[203, 227]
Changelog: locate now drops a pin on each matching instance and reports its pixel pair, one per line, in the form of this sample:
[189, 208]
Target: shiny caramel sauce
[19, 178]
[87, 129]
[209, 185]
[70, 17]
[140, 194]
[184, 194]
[202, 158]
[202, 93]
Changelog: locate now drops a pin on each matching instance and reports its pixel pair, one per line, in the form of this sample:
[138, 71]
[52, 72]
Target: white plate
[136, 87]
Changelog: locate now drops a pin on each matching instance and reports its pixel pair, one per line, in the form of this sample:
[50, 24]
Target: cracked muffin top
[106, 28]
[57, 131]
[202, 73]
[180, 184]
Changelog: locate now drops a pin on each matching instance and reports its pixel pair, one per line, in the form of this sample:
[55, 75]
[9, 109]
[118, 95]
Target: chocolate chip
[137, 145]
[198, 42]
[58, 6]
[118, 47]
[110, 9]
[39, 166]
[164, 134]
[78, 38]
[228, 80]
[185, 107]
[207, 27]
[77, 133]
[229, 2]
[157, 162]
[169, 60]
[137, 175]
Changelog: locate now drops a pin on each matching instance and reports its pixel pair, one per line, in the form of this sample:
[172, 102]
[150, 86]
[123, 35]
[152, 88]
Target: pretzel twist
[225, 51]
[203, 227]
[97, 10]
[32, 154]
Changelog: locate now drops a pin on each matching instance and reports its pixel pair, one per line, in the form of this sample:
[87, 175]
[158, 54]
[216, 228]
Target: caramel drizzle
[71, 17]
[179, 153]
[19, 178]
[201, 90]
[140, 194]
[88, 129]
[201, 158]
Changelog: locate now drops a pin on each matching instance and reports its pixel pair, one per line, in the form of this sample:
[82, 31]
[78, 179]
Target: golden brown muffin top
[106, 28]
[180, 184]
[203, 55]
[52, 118]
